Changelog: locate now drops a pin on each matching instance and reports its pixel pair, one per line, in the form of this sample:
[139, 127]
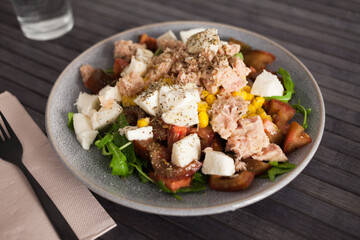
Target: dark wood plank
[347, 146]
[342, 114]
[342, 129]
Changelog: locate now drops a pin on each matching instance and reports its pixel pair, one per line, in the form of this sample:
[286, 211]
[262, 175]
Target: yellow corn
[203, 106]
[210, 99]
[251, 109]
[168, 81]
[143, 122]
[249, 96]
[260, 111]
[244, 116]
[204, 94]
[128, 101]
[263, 116]
[236, 94]
[252, 115]
[203, 119]
[247, 89]
[258, 102]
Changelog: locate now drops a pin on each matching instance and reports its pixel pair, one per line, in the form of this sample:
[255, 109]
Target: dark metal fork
[11, 150]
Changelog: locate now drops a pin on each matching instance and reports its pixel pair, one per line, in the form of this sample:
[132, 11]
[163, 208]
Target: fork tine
[8, 128]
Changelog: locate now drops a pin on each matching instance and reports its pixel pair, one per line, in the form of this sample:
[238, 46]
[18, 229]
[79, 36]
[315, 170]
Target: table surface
[322, 202]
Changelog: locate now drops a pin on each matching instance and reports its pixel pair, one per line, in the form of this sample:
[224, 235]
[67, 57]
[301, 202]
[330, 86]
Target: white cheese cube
[186, 150]
[267, 85]
[168, 35]
[207, 40]
[217, 163]
[184, 35]
[176, 96]
[83, 130]
[149, 102]
[87, 138]
[137, 66]
[87, 103]
[108, 93]
[144, 55]
[184, 116]
[136, 133]
[106, 115]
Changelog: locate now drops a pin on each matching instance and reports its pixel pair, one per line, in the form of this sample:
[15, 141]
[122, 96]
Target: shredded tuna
[131, 84]
[240, 68]
[271, 153]
[225, 113]
[125, 49]
[169, 43]
[239, 165]
[85, 72]
[231, 49]
[248, 138]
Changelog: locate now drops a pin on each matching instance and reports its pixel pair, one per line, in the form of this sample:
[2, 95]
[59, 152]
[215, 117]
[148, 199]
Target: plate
[93, 169]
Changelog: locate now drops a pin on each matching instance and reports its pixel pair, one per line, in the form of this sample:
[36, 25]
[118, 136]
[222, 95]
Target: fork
[11, 150]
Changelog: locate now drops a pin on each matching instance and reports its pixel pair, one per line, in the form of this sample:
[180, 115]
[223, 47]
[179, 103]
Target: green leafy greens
[289, 86]
[109, 70]
[278, 169]
[301, 109]
[158, 52]
[71, 120]
[239, 55]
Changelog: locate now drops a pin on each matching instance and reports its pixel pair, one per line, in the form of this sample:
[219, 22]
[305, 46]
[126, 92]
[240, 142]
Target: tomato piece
[296, 138]
[230, 184]
[119, 65]
[206, 136]
[175, 134]
[255, 166]
[173, 185]
[258, 59]
[148, 41]
[281, 112]
[97, 80]
[273, 132]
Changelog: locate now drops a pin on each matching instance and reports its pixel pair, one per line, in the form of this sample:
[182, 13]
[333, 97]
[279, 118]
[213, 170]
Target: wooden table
[323, 202]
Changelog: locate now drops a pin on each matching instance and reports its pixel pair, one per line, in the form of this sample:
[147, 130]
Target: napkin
[21, 214]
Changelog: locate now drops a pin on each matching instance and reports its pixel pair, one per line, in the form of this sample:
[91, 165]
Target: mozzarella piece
[149, 102]
[206, 40]
[184, 35]
[186, 150]
[87, 103]
[106, 115]
[267, 85]
[177, 96]
[144, 55]
[136, 133]
[217, 163]
[168, 35]
[137, 66]
[184, 116]
[108, 93]
[83, 130]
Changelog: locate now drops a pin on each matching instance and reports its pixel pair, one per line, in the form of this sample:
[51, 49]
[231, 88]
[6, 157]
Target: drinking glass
[44, 19]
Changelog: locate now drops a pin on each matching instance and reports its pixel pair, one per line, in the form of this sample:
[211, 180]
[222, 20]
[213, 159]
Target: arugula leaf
[158, 52]
[103, 141]
[274, 163]
[105, 152]
[289, 86]
[109, 70]
[195, 187]
[239, 55]
[287, 165]
[278, 169]
[162, 186]
[118, 161]
[201, 178]
[301, 109]
[141, 173]
[71, 120]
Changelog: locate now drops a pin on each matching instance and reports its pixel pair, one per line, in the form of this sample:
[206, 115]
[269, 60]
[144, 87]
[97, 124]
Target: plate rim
[198, 211]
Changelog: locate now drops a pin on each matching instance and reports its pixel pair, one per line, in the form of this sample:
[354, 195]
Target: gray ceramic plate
[93, 169]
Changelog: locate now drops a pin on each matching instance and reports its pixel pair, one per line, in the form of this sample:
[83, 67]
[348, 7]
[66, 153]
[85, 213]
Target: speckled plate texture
[93, 169]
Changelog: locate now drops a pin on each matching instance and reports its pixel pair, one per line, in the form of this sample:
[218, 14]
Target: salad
[192, 112]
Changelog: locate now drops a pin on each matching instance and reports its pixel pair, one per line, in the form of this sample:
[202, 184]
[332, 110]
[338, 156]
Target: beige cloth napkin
[21, 215]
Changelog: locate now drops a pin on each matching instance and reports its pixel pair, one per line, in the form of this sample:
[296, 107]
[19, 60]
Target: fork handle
[61, 226]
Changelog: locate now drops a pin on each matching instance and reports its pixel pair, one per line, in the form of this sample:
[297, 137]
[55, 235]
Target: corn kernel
[260, 111]
[203, 106]
[143, 122]
[247, 89]
[252, 115]
[258, 102]
[251, 109]
[204, 94]
[243, 94]
[244, 116]
[265, 116]
[168, 81]
[236, 94]
[203, 119]
[128, 101]
[210, 99]
[249, 97]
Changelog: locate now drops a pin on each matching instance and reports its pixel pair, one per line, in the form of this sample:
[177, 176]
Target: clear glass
[44, 19]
